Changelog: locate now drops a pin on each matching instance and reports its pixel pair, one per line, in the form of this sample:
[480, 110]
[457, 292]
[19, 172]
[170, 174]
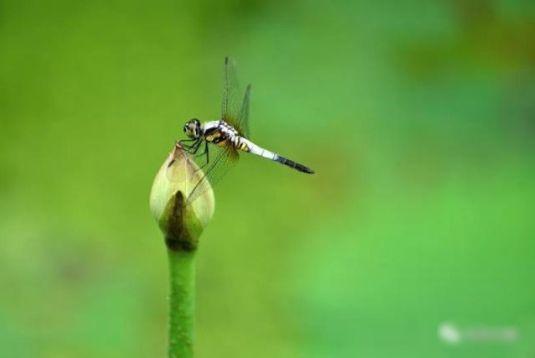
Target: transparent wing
[230, 108]
[234, 111]
[243, 119]
[221, 160]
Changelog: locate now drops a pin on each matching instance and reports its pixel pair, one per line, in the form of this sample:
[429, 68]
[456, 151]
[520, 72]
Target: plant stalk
[182, 302]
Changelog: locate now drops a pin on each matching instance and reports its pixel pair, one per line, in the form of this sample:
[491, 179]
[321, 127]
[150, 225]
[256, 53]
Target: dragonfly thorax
[218, 131]
[228, 129]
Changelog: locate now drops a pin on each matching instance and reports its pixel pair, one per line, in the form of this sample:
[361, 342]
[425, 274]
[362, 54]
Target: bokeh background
[414, 239]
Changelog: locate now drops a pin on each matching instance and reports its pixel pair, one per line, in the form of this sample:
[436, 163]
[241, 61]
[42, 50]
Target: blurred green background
[414, 239]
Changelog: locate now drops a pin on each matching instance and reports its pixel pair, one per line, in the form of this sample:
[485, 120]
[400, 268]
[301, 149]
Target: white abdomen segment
[248, 146]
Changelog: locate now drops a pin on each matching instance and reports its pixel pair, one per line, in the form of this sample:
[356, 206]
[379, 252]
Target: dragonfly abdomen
[248, 146]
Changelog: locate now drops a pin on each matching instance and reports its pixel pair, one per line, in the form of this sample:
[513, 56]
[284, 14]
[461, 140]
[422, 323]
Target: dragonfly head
[192, 128]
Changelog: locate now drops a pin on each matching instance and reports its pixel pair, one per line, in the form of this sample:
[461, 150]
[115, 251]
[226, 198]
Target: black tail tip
[300, 167]
[307, 170]
[294, 165]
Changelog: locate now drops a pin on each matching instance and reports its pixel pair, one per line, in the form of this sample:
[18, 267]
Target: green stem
[182, 302]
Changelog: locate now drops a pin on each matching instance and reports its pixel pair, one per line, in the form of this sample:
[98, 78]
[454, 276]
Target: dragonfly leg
[196, 146]
[206, 154]
[206, 151]
[193, 148]
[190, 148]
[185, 143]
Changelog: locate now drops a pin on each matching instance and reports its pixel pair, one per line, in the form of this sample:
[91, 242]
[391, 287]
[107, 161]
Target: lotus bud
[181, 218]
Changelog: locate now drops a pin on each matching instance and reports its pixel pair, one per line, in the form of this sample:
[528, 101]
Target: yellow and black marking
[244, 147]
[215, 136]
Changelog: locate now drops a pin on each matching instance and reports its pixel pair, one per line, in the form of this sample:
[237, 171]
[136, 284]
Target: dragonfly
[217, 144]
